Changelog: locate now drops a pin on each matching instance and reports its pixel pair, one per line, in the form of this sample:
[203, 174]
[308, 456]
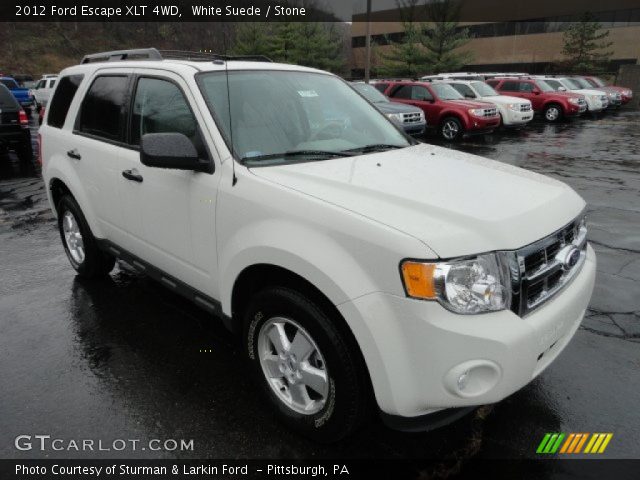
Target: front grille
[490, 112]
[414, 117]
[525, 107]
[542, 269]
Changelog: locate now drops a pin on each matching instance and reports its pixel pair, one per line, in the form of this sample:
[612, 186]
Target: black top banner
[311, 10]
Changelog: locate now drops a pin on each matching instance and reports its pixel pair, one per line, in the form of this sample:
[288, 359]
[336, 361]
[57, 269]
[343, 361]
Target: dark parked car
[22, 95]
[410, 118]
[14, 127]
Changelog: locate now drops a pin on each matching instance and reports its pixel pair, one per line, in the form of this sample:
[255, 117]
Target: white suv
[597, 100]
[355, 262]
[514, 111]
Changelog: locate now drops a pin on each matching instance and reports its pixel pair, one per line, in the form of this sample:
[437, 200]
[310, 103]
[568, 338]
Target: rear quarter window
[102, 111]
[62, 98]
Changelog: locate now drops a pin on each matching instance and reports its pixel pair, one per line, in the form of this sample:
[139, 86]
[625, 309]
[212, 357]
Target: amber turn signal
[419, 279]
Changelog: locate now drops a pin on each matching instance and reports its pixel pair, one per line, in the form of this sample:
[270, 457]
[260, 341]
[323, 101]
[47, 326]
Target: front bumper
[479, 125]
[511, 118]
[414, 128]
[416, 350]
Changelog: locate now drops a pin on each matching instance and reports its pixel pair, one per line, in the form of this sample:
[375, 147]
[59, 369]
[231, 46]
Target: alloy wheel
[73, 237]
[450, 130]
[293, 365]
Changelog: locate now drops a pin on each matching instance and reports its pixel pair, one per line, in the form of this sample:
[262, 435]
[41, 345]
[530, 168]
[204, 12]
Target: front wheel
[451, 129]
[79, 243]
[304, 365]
[552, 112]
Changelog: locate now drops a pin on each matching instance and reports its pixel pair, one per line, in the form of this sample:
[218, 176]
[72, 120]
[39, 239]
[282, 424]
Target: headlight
[514, 106]
[574, 100]
[466, 286]
[478, 112]
[395, 117]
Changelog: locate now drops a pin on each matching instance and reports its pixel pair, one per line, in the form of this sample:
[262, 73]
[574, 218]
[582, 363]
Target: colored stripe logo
[553, 443]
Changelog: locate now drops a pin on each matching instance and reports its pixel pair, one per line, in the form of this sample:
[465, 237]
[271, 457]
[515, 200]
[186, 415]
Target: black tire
[96, 263]
[451, 129]
[553, 113]
[348, 399]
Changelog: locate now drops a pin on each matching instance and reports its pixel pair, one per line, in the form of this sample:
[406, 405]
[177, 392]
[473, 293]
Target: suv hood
[506, 99]
[456, 203]
[473, 103]
[394, 107]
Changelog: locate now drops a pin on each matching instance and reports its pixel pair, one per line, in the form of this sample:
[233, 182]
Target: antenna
[233, 160]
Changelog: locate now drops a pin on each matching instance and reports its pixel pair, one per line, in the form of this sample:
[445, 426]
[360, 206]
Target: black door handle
[130, 175]
[74, 154]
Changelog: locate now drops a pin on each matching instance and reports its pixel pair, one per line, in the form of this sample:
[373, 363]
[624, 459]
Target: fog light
[472, 378]
[462, 380]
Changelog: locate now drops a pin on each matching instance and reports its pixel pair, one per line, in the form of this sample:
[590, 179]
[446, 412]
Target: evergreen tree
[317, 46]
[406, 58]
[252, 38]
[442, 38]
[585, 45]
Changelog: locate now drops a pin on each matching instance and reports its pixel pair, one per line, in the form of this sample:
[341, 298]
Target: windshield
[446, 92]
[370, 93]
[484, 90]
[553, 85]
[276, 117]
[582, 82]
[570, 84]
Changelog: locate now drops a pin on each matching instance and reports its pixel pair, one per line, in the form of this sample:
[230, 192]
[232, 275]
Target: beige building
[527, 36]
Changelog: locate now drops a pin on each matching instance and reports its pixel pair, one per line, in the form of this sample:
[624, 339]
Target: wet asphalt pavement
[123, 358]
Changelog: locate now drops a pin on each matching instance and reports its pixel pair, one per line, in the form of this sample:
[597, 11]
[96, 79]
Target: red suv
[626, 94]
[552, 104]
[445, 108]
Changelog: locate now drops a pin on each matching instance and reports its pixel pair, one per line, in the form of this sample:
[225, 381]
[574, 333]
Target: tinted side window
[381, 86]
[510, 86]
[52, 84]
[103, 107]
[7, 100]
[464, 90]
[403, 91]
[421, 93]
[59, 104]
[159, 106]
[526, 87]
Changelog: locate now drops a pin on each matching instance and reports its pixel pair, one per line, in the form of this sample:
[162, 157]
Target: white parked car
[355, 262]
[597, 100]
[514, 111]
[43, 89]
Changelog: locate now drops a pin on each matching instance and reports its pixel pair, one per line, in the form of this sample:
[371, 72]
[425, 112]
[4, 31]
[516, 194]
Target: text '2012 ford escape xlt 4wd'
[356, 263]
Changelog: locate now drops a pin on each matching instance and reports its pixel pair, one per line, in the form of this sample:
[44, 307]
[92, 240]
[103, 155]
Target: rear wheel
[451, 129]
[553, 112]
[307, 372]
[79, 243]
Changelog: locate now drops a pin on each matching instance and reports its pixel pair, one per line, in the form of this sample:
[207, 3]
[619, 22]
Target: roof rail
[210, 56]
[154, 54]
[117, 55]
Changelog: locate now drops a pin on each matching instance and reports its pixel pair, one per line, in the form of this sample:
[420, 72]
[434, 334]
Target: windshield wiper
[376, 147]
[297, 153]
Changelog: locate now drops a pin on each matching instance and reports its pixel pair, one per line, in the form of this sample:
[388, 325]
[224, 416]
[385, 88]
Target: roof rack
[154, 54]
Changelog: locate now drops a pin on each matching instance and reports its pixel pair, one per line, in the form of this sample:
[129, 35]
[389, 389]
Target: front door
[169, 214]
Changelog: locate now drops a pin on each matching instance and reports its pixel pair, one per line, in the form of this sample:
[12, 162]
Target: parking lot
[125, 358]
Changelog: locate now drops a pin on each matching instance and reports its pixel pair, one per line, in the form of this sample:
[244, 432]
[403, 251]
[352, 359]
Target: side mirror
[171, 150]
[469, 95]
[562, 89]
[536, 92]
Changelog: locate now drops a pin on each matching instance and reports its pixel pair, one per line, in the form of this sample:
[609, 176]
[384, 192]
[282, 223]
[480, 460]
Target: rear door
[98, 147]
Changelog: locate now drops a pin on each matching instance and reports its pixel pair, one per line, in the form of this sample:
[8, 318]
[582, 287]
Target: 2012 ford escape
[356, 263]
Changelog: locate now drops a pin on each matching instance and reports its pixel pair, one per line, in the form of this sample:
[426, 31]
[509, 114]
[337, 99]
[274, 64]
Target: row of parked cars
[20, 96]
[459, 104]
